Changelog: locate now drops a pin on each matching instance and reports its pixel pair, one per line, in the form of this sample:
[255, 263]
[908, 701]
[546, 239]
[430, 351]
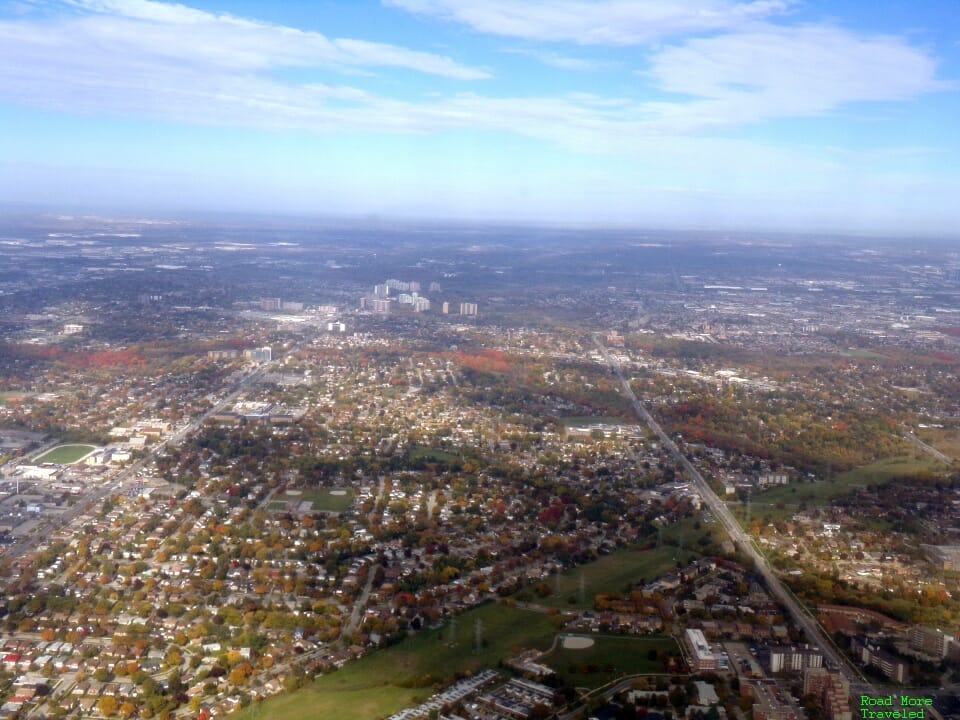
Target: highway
[800, 615]
[114, 485]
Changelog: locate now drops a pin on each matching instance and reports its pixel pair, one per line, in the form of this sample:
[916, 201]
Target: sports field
[609, 656]
[329, 500]
[336, 500]
[66, 454]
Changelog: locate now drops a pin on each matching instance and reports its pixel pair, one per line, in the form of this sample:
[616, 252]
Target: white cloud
[144, 27]
[162, 12]
[597, 22]
[748, 78]
[556, 60]
[147, 59]
[795, 71]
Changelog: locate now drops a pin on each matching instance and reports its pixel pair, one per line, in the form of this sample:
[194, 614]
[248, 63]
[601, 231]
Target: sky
[836, 116]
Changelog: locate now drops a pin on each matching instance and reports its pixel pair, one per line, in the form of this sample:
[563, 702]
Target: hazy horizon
[766, 115]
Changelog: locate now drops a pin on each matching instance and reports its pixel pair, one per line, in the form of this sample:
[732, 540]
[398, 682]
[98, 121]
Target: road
[800, 615]
[360, 606]
[114, 486]
[931, 451]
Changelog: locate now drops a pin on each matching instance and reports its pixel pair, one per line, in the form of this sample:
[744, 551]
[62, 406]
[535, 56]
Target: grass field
[946, 440]
[578, 420]
[324, 499]
[66, 454]
[765, 504]
[609, 657]
[5, 396]
[373, 688]
[612, 573]
[362, 701]
[429, 454]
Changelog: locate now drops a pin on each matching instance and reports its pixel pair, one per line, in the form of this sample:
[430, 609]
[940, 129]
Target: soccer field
[66, 454]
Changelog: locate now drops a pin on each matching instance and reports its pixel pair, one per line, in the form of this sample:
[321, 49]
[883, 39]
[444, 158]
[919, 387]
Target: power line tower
[452, 631]
[478, 636]
[582, 593]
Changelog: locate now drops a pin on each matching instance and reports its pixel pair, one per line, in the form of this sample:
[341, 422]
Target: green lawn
[11, 395]
[765, 504]
[429, 454]
[504, 631]
[821, 493]
[610, 657]
[580, 420]
[361, 700]
[324, 498]
[372, 687]
[614, 573]
[66, 454]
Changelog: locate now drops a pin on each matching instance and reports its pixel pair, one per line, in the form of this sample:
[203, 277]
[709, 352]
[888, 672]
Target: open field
[11, 395]
[323, 499]
[428, 454]
[66, 454]
[782, 502]
[612, 573]
[505, 630]
[363, 700]
[610, 656]
[372, 687]
[945, 440]
[578, 420]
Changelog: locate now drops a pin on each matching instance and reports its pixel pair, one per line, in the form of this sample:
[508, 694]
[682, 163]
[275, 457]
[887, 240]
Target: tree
[107, 705]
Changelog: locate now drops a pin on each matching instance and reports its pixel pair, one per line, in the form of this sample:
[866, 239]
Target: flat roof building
[701, 656]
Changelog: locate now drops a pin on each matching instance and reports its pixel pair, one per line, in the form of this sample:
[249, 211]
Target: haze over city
[811, 116]
[479, 360]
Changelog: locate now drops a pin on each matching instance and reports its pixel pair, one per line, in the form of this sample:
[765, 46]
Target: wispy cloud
[745, 78]
[597, 22]
[807, 67]
[139, 28]
[148, 59]
[556, 60]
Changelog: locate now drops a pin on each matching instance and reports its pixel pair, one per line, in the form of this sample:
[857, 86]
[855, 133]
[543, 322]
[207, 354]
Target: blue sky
[772, 114]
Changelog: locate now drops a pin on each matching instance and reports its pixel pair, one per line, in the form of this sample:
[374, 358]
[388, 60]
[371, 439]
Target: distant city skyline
[760, 114]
